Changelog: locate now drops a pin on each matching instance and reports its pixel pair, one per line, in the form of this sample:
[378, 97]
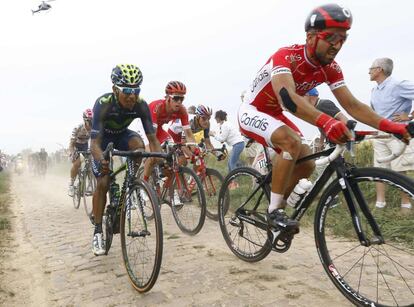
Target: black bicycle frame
[349, 188]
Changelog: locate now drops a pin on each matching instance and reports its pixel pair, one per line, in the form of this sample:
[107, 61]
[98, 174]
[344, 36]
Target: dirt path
[50, 263]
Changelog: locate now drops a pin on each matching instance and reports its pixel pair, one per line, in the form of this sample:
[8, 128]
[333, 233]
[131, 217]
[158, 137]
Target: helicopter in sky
[44, 6]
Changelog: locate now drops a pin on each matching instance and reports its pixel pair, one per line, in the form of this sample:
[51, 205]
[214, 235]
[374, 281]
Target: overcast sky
[53, 65]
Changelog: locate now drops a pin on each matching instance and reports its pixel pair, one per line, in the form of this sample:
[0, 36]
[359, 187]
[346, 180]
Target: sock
[98, 228]
[407, 206]
[275, 201]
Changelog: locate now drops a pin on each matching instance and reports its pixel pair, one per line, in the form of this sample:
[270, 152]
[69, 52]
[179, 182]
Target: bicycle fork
[352, 191]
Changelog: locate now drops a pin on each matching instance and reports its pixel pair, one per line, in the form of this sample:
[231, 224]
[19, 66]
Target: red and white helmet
[203, 111]
[87, 114]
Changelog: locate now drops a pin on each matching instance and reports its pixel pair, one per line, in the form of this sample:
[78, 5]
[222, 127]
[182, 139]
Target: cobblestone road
[50, 263]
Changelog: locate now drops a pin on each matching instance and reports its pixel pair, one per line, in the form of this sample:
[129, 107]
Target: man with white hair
[393, 100]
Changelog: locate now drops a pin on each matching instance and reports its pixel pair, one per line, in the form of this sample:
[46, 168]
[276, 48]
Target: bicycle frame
[349, 190]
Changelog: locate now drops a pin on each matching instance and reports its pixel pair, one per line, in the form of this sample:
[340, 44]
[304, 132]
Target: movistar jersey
[110, 118]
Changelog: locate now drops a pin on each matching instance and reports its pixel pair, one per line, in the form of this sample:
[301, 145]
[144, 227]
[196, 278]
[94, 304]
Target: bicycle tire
[89, 186]
[237, 233]
[77, 196]
[189, 206]
[212, 182]
[141, 198]
[107, 230]
[379, 274]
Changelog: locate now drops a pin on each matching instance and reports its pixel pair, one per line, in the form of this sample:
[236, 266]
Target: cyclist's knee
[291, 147]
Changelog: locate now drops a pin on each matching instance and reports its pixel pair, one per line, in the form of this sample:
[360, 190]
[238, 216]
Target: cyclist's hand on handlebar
[402, 131]
[104, 166]
[335, 130]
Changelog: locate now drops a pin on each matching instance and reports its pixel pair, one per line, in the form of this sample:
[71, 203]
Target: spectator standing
[391, 99]
[230, 135]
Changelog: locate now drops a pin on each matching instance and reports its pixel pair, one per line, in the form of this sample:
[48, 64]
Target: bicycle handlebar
[135, 153]
[359, 136]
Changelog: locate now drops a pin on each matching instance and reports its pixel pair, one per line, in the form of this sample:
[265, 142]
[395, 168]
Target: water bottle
[114, 193]
[300, 190]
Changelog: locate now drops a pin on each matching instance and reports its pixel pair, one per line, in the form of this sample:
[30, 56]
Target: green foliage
[395, 225]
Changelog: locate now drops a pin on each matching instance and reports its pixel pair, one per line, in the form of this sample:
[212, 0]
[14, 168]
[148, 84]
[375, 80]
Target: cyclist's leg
[273, 132]
[99, 201]
[302, 170]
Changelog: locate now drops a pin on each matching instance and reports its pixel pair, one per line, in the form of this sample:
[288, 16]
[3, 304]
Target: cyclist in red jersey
[280, 84]
[166, 110]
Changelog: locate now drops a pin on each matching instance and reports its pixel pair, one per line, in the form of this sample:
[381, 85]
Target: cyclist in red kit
[279, 86]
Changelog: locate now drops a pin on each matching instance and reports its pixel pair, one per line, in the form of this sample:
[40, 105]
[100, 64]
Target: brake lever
[351, 124]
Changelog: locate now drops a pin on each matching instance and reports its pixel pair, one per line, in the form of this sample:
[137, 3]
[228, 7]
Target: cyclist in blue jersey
[112, 114]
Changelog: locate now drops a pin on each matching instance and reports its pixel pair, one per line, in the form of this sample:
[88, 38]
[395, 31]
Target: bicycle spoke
[382, 272]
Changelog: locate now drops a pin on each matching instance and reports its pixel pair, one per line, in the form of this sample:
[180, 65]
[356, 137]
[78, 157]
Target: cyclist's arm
[189, 135]
[208, 143]
[186, 126]
[361, 112]
[97, 131]
[72, 140]
[153, 143]
[284, 88]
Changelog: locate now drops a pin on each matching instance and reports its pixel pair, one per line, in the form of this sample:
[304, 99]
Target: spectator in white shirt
[229, 135]
[392, 99]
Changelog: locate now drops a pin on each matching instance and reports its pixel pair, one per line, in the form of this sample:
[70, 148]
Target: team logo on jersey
[306, 86]
[255, 121]
[264, 74]
[280, 70]
[291, 58]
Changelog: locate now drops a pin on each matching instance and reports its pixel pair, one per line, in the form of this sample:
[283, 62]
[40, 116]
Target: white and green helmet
[126, 75]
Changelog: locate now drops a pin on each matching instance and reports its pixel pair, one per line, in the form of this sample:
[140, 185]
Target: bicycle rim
[141, 237]
[212, 182]
[245, 240]
[381, 274]
[77, 196]
[188, 202]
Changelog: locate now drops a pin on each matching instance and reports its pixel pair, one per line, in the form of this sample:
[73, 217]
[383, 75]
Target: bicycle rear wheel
[382, 273]
[141, 237]
[89, 186]
[212, 182]
[188, 201]
[77, 192]
[244, 239]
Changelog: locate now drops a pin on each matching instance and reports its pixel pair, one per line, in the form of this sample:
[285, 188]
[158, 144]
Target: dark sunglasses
[177, 98]
[332, 38]
[129, 90]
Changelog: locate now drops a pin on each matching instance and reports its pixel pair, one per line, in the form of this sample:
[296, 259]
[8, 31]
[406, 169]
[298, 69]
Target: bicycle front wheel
[77, 192]
[141, 237]
[212, 182]
[245, 240]
[381, 273]
[188, 201]
[89, 186]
